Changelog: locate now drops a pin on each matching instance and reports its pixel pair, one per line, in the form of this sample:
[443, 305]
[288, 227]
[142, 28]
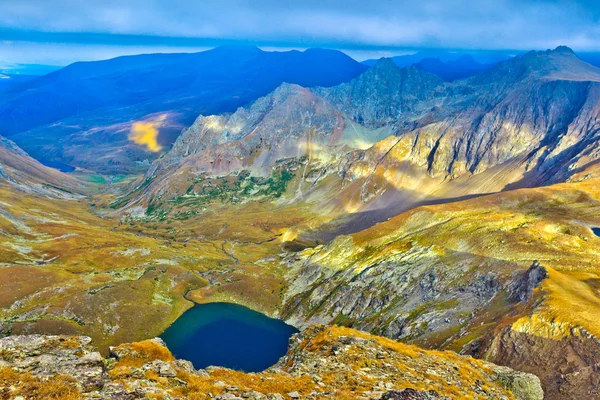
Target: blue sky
[63, 31]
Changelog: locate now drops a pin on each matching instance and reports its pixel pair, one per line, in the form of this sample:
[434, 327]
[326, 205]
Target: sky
[59, 32]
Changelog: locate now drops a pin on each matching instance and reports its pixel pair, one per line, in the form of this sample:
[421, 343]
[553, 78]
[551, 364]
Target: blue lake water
[596, 231]
[228, 335]
[62, 167]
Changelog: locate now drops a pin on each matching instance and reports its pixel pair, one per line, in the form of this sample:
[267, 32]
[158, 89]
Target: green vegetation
[236, 188]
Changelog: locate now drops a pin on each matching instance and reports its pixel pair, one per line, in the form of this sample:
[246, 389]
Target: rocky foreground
[322, 363]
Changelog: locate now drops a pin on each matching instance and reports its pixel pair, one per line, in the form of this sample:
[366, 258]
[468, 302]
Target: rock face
[384, 94]
[578, 375]
[322, 363]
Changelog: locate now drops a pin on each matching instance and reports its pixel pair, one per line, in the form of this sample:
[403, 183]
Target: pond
[62, 167]
[228, 335]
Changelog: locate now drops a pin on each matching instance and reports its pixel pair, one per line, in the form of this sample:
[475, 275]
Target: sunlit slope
[504, 232]
[463, 276]
[65, 270]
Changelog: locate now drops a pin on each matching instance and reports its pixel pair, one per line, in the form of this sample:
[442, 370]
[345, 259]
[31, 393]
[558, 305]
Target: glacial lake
[596, 231]
[228, 335]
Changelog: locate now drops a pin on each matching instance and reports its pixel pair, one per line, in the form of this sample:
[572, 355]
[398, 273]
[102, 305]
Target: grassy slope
[550, 224]
[66, 270]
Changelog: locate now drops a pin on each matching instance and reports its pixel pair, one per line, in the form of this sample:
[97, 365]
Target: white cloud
[356, 25]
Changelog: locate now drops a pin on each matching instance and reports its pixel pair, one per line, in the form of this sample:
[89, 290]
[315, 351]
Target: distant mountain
[82, 114]
[452, 70]
[480, 56]
[410, 59]
[28, 69]
[449, 65]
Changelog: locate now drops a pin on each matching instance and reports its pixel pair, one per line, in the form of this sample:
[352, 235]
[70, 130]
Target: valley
[456, 215]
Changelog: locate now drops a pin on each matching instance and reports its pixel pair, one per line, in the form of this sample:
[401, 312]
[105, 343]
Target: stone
[523, 386]
[162, 368]
[410, 394]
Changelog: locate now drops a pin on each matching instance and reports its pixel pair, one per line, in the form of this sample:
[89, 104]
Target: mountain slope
[21, 171]
[528, 121]
[60, 116]
[511, 277]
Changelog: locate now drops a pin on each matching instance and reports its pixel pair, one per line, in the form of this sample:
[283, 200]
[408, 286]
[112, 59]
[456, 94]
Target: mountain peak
[560, 63]
[237, 48]
[564, 50]
[385, 63]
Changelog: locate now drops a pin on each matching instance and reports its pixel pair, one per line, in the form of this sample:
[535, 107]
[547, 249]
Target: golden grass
[139, 353]
[24, 384]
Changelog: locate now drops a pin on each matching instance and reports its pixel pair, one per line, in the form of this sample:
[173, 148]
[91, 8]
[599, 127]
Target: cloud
[146, 134]
[342, 24]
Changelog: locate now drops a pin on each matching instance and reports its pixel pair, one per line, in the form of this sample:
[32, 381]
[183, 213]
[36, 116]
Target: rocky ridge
[392, 138]
[322, 363]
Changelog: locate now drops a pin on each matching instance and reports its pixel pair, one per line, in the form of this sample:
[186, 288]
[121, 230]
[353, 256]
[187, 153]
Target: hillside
[20, 171]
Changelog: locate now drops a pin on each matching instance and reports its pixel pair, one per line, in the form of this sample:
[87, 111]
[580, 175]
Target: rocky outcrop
[529, 281]
[322, 363]
[48, 356]
[568, 367]
[411, 295]
[289, 122]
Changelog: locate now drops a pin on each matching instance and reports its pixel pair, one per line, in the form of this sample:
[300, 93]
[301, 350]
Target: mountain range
[453, 212]
[61, 116]
[401, 133]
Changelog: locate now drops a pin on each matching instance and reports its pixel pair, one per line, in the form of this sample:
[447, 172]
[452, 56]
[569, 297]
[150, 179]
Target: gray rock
[410, 394]
[46, 356]
[162, 368]
[522, 385]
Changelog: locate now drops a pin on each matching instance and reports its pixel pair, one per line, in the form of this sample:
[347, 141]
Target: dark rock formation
[575, 356]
